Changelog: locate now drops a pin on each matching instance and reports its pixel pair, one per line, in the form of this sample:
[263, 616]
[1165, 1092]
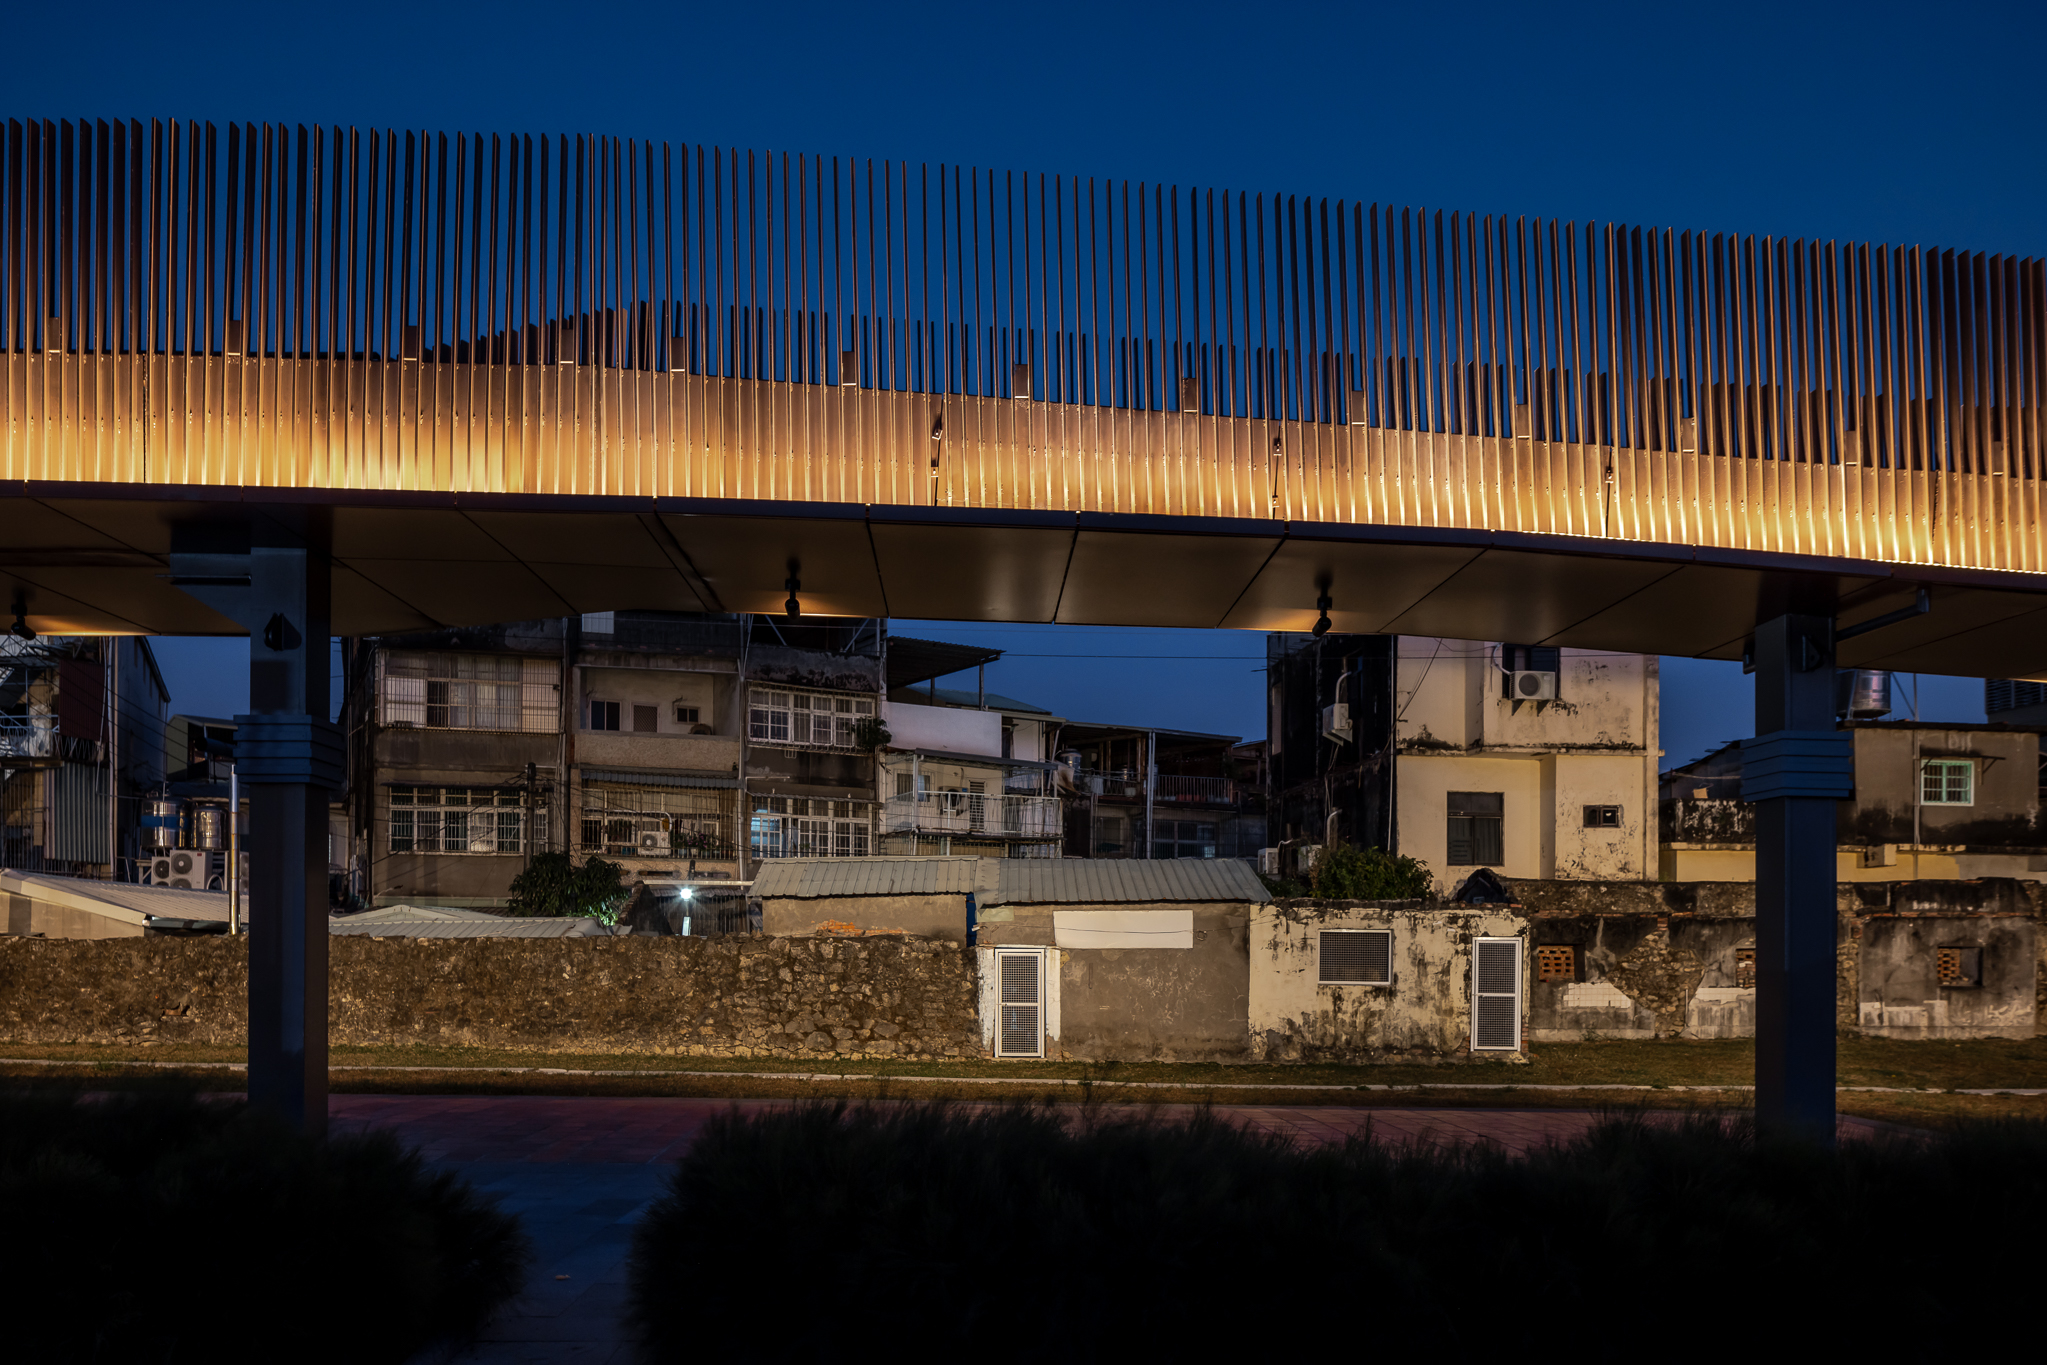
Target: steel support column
[1794, 771]
[290, 756]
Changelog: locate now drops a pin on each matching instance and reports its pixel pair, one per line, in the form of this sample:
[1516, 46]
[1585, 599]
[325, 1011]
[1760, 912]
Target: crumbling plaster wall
[1425, 1012]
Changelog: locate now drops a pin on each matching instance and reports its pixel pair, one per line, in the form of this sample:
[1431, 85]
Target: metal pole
[1794, 770]
[1151, 782]
[234, 850]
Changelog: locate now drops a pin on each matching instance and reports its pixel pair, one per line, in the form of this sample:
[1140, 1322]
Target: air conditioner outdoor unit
[180, 869]
[1268, 862]
[653, 842]
[1529, 685]
[1336, 722]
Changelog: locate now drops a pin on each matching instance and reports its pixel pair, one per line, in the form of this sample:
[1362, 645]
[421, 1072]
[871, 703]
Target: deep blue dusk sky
[1911, 123]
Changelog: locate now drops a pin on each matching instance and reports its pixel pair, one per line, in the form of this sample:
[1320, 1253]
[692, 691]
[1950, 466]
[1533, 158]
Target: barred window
[458, 820]
[1947, 782]
[469, 691]
[818, 719]
[802, 827]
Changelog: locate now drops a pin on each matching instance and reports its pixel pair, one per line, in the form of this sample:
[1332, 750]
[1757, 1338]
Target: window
[617, 819]
[810, 827]
[603, 715]
[816, 719]
[458, 820]
[1360, 956]
[1496, 994]
[646, 720]
[1477, 834]
[1602, 817]
[1958, 967]
[686, 715]
[469, 691]
[1183, 839]
[1947, 782]
[600, 623]
[1556, 962]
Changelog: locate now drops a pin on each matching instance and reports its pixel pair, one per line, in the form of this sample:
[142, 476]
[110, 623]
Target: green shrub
[553, 885]
[161, 1227]
[1018, 1233]
[1345, 872]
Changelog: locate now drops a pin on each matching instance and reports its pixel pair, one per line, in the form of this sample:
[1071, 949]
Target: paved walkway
[580, 1171]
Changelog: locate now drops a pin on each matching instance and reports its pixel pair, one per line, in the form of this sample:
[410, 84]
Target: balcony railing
[1171, 788]
[969, 813]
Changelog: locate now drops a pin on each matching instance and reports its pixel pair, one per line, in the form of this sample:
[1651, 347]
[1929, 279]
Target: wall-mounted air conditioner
[1526, 684]
[1336, 722]
[653, 843]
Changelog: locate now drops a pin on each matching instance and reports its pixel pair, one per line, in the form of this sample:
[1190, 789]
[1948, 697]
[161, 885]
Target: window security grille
[1947, 782]
[457, 820]
[1556, 963]
[1360, 956]
[469, 691]
[1959, 967]
[810, 719]
[616, 819]
[1496, 994]
[809, 827]
[1020, 1030]
[1477, 835]
[644, 720]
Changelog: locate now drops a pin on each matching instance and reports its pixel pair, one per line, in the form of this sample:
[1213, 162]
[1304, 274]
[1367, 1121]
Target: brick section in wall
[723, 997]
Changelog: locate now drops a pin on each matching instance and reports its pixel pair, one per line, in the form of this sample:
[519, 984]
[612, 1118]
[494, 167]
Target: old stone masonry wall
[722, 997]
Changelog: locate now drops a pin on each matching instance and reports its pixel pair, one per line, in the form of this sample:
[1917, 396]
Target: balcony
[28, 737]
[969, 813]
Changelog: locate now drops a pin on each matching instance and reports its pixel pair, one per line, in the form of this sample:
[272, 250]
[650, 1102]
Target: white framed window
[810, 827]
[1020, 1002]
[1496, 995]
[458, 820]
[1362, 957]
[437, 691]
[810, 719]
[1947, 782]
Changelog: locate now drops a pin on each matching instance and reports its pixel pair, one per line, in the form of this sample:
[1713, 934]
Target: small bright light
[689, 893]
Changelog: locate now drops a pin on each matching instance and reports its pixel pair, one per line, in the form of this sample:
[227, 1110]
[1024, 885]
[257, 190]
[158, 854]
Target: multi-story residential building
[965, 772]
[1534, 762]
[1147, 792]
[81, 751]
[682, 746]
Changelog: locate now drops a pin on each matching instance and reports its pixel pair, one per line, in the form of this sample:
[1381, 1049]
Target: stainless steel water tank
[209, 827]
[160, 823]
[1862, 693]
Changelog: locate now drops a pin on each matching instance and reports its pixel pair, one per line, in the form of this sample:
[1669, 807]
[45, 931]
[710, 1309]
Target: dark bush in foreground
[163, 1227]
[834, 1233]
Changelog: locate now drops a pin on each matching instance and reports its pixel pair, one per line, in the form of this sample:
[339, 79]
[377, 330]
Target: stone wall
[718, 997]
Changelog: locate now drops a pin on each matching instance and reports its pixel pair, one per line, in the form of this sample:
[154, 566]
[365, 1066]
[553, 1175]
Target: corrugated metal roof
[1111, 881]
[801, 878]
[468, 928]
[389, 913]
[1016, 881]
[160, 902]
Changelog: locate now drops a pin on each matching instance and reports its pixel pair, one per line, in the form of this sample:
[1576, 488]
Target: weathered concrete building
[1931, 801]
[681, 746]
[1533, 762]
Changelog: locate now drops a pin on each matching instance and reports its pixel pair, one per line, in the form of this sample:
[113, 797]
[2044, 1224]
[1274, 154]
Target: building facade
[681, 746]
[82, 722]
[1931, 801]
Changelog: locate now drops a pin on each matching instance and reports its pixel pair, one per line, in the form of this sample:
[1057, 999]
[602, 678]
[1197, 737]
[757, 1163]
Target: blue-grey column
[1794, 770]
[289, 757]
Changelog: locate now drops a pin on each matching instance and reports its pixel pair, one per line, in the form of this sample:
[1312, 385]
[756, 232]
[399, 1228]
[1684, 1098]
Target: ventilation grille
[1556, 964]
[1363, 956]
[1959, 966]
[1745, 968]
[1496, 997]
[1019, 1030]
